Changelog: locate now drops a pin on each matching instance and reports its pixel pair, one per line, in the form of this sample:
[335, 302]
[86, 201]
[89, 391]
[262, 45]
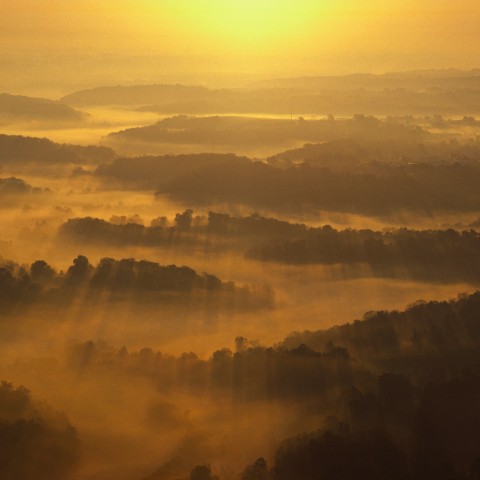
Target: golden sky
[305, 35]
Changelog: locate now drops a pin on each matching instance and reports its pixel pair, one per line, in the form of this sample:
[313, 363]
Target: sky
[238, 37]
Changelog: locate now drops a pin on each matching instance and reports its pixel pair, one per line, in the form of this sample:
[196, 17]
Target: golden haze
[339, 36]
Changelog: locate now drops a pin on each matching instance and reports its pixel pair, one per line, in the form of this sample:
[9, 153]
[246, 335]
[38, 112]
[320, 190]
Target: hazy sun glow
[284, 37]
[246, 26]
[253, 22]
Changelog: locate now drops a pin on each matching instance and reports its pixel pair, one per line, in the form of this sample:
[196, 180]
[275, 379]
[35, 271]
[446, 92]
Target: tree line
[23, 285]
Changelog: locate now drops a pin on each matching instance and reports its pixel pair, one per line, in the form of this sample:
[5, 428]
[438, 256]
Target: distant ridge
[134, 94]
[23, 108]
[401, 79]
[425, 92]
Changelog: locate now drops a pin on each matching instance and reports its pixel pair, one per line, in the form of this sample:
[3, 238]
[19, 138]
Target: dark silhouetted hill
[434, 331]
[384, 189]
[149, 171]
[444, 256]
[397, 393]
[115, 280]
[14, 189]
[429, 255]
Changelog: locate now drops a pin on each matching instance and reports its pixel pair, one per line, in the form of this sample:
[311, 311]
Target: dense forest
[422, 188]
[35, 440]
[397, 392]
[435, 255]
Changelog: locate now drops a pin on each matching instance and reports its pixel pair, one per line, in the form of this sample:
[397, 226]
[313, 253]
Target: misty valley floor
[197, 284]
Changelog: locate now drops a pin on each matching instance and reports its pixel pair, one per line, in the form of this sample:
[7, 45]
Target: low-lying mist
[192, 291]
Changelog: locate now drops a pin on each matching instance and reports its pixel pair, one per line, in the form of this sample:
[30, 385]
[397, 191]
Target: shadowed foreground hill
[397, 394]
[427, 341]
[421, 421]
[439, 331]
[36, 443]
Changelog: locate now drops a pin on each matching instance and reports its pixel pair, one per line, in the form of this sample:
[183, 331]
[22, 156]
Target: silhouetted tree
[202, 472]
[184, 220]
[79, 271]
[41, 271]
[256, 471]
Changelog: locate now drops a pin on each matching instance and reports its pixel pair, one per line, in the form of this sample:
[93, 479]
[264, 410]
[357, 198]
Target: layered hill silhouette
[113, 281]
[19, 108]
[397, 393]
[451, 92]
[388, 188]
[13, 189]
[17, 151]
[239, 133]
